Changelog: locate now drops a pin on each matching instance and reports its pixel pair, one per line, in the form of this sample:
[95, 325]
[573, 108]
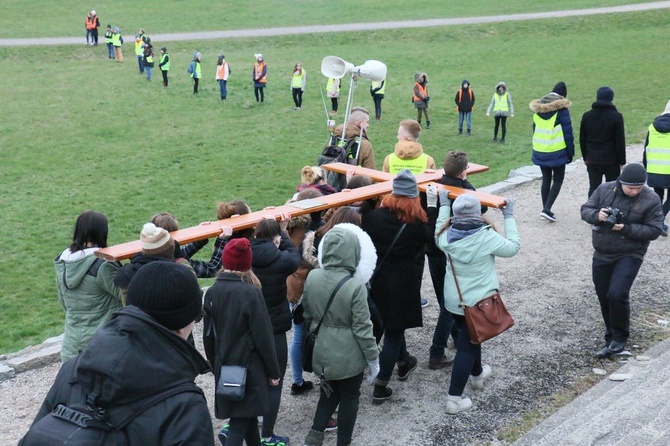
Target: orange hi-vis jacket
[422, 89]
[258, 70]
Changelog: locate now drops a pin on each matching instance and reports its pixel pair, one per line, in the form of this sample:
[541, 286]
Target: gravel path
[548, 289]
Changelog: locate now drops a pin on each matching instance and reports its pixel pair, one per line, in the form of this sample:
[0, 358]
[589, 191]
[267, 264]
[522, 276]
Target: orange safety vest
[258, 70]
[90, 22]
[422, 89]
[460, 94]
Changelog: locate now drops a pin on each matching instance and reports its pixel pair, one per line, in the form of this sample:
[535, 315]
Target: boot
[456, 404]
[460, 131]
[469, 134]
[314, 438]
[381, 392]
[427, 124]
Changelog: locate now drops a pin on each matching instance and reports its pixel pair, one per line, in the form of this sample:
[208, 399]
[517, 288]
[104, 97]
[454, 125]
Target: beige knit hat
[156, 241]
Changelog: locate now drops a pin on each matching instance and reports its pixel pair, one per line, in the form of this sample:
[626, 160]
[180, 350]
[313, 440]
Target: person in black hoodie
[274, 258]
[655, 158]
[465, 102]
[140, 352]
[602, 140]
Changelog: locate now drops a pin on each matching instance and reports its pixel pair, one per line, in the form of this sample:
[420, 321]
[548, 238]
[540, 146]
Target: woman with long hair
[239, 332]
[298, 82]
[399, 232]
[471, 245]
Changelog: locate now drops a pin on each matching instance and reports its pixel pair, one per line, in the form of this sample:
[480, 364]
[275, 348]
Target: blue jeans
[148, 69]
[437, 265]
[468, 118]
[110, 51]
[222, 87]
[393, 351]
[295, 352]
[140, 62]
[468, 360]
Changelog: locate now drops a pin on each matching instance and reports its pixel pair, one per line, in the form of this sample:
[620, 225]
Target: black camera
[614, 216]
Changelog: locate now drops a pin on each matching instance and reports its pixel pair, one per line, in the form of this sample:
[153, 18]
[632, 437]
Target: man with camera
[626, 215]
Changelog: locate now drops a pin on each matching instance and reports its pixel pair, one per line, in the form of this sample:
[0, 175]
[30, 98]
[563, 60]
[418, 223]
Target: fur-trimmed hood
[500, 84]
[419, 74]
[356, 254]
[308, 250]
[550, 102]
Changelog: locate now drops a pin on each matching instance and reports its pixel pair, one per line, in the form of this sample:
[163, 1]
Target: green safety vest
[150, 58]
[331, 84]
[548, 136]
[138, 47]
[108, 36]
[165, 67]
[296, 81]
[658, 152]
[416, 165]
[500, 103]
[197, 72]
[116, 39]
[376, 84]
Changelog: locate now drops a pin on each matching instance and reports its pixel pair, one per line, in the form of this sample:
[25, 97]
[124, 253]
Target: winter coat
[273, 265]
[408, 150]
[295, 283]
[498, 96]
[601, 135]
[345, 342]
[467, 100]
[128, 271]
[235, 309]
[661, 124]
[88, 295]
[366, 157]
[642, 221]
[396, 287]
[546, 108]
[136, 357]
[473, 254]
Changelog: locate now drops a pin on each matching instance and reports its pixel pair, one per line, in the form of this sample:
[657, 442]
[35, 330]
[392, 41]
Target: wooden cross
[238, 222]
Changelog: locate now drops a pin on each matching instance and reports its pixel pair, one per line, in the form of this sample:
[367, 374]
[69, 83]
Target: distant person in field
[421, 97]
[259, 75]
[357, 126]
[408, 152]
[108, 41]
[298, 83]
[501, 106]
[148, 58]
[164, 65]
[377, 89]
[195, 69]
[222, 74]
[465, 102]
[117, 41]
[333, 92]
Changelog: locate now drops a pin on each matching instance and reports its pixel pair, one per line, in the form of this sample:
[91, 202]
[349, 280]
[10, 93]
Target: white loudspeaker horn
[371, 69]
[335, 67]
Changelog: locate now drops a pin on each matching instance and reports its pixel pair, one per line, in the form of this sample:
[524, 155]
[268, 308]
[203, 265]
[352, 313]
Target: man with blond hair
[408, 153]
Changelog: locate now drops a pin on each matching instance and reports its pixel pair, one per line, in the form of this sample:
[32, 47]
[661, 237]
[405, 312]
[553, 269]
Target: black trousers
[597, 171]
[165, 78]
[260, 95]
[297, 96]
[377, 98]
[552, 181]
[345, 393]
[500, 121]
[243, 430]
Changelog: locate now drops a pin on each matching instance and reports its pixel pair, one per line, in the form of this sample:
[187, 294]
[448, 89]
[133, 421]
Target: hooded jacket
[408, 150]
[366, 156]
[135, 357]
[498, 96]
[295, 283]
[473, 254]
[642, 221]
[345, 342]
[88, 295]
[546, 107]
[466, 102]
[662, 125]
[602, 138]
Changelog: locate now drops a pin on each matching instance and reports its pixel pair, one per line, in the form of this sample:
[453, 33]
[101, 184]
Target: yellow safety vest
[376, 85]
[138, 46]
[500, 103]
[416, 165]
[548, 136]
[331, 84]
[116, 39]
[296, 80]
[166, 66]
[658, 152]
[108, 36]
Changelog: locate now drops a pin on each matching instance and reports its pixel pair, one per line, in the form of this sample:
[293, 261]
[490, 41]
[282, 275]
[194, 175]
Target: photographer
[625, 216]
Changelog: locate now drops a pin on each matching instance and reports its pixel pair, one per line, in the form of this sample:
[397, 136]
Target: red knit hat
[237, 255]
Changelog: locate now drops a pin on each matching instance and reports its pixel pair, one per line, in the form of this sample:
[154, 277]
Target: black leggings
[425, 112]
[260, 95]
[500, 120]
[550, 191]
[377, 98]
[345, 393]
[334, 103]
[195, 84]
[243, 430]
[297, 97]
[165, 78]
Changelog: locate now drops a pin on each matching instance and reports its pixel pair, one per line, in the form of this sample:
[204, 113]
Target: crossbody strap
[458, 288]
[395, 239]
[330, 301]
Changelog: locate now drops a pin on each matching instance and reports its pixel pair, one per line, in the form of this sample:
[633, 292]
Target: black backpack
[86, 423]
[339, 151]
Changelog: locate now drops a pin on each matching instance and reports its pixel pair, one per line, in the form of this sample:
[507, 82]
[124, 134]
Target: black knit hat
[168, 292]
[633, 175]
[605, 94]
[560, 88]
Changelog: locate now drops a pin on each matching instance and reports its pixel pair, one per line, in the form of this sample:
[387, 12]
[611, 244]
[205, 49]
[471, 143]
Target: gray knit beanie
[404, 184]
[467, 205]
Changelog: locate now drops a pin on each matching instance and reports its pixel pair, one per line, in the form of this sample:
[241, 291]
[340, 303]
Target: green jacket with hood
[87, 294]
[345, 342]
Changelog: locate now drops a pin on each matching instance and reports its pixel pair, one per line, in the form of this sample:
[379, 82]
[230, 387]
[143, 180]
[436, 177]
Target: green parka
[87, 294]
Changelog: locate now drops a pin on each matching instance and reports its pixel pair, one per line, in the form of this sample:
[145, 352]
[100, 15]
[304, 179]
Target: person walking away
[420, 97]
[345, 345]
[298, 82]
[260, 77]
[195, 69]
[222, 73]
[471, 244]
[164, 65]
[602, 140]
[396, 287]
[656, 160]
[501, 106]
[148, 59]
[377, 89]
[408, 152]
[357, 127]
[333, 92]
[625, 217]
[553, 143]
[108, 41]
[465, 103]
[117, 41]
[239, 332]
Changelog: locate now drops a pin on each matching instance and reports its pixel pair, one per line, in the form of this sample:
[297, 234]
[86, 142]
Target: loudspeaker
[335, 67]
[371, 69]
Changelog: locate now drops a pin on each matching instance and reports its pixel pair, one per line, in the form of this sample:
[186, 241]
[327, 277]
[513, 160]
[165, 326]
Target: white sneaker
[477, 382]
[456, 404]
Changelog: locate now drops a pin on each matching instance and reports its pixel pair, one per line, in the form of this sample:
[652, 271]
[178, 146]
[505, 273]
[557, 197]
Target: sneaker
[456, 404]
[381, 394]
[548, 215]
[408, 367]
[275, 440]
[502, 141]
[332, 425]
[260, 420]
[477, 382]
[436, 364]
[424, 303]
[223, 434]
[299, 389]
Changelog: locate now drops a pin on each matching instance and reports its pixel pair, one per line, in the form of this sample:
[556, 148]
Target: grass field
[80, 131]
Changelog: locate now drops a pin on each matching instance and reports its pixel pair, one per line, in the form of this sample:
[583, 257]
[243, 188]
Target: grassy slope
[82, 132]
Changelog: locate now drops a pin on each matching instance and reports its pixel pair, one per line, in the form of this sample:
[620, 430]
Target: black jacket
[465, 104]
[601, 135]
[273, 265]
[136, 357]
[244, 332]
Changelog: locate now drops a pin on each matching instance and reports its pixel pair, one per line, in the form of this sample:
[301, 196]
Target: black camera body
[614, 216]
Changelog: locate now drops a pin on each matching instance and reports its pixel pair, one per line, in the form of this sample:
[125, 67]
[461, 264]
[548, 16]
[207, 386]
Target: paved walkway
[242, 33]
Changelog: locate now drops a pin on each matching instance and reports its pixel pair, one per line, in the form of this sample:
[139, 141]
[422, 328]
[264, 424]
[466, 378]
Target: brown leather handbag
[487, 318]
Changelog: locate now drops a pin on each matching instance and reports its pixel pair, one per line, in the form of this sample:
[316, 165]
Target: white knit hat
[154, 239]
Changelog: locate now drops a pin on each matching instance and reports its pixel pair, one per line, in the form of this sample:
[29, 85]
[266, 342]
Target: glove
[508, 210]
[431, 196]
[444, 198]
[373, 371]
